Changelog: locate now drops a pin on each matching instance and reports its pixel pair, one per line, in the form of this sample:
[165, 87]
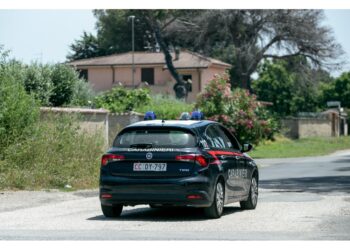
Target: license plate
[157, 167]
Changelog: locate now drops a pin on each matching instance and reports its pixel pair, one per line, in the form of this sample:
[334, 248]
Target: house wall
[101, 78]
[209, 73]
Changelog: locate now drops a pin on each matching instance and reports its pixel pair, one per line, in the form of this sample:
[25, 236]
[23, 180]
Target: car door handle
[223, 157]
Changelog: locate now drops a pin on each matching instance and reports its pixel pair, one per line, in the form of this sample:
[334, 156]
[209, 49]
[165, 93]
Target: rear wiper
[141, 145]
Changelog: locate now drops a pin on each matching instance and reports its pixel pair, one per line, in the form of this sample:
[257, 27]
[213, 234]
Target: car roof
[189, 124]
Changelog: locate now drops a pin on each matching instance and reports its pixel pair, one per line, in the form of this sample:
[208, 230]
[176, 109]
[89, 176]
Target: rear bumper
[173, 192]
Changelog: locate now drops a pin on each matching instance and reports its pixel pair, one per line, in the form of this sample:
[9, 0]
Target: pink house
[105, 72]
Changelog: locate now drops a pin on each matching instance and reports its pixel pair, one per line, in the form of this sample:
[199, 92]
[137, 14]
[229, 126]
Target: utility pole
[133, 49]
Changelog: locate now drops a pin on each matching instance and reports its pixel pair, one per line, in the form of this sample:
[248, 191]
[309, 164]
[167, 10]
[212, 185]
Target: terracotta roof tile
[186, 59]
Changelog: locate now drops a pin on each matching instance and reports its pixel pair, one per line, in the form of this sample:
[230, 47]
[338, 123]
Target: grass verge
[56, 154]
[284, 147]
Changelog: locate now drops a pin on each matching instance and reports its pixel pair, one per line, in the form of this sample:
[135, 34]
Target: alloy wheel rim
[219, 197]
[254, 191]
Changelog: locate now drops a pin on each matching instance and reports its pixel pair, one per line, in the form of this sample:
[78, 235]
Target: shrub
[166, 107]
[56, 153]
[120, 99]
[83, 95]
[38, 82]
[63, 80]
[51, 85]
[238, 110]
[18, 112]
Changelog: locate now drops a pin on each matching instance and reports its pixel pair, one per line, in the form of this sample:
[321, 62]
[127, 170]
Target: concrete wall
[307, 127]
[94, 121]
[116, 122]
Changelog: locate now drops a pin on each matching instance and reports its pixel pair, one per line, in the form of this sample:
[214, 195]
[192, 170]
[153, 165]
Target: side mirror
[247, 147]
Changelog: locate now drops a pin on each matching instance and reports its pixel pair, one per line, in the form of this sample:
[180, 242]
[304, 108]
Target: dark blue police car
[194, 163]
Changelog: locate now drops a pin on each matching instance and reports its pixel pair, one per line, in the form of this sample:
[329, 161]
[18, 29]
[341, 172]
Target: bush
[51, 85]
[18, 112]
[63, 80]
[55, 154]
[238, 110]
[38, 81]
[166, 107]
[120, 99]
[83, 95]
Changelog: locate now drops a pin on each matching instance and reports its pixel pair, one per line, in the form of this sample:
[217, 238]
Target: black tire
[217, 207]
[155, 206]
[112, 212]
[253, 195]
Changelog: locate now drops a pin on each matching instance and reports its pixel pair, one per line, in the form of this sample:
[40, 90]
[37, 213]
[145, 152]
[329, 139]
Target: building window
[147, 75]
[83, 74]
[185, 78]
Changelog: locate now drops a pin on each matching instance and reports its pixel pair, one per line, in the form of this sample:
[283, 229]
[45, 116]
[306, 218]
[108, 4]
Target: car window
[234, 144]
[223, 136]
[158, 138]
[213, 138]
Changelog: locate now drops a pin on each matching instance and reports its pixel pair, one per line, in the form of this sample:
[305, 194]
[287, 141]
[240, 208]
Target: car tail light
[106, 196]
[200, 159]
[194, 197]
[110, 158]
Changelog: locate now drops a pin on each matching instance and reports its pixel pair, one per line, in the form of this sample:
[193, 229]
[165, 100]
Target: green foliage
[86, 47]
[166, 107]
[120, 99]
[286, 89]
[56, 153]
[38, 81]
[339, 90]
[113, 35]
[18, 110]
[63, 79]
[83, 95]
[51, 85]
[238, 110]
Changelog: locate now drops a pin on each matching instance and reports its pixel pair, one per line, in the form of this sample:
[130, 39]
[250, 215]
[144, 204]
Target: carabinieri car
[194, 163]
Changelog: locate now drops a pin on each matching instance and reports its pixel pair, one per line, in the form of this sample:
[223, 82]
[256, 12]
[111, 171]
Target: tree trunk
[168, 57]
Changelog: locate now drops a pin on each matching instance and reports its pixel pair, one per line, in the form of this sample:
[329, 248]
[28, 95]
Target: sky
[45, 35]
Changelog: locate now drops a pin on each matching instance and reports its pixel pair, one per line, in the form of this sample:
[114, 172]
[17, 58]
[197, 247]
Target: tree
[281, 83]
[86, 47]
[245, 38]
[158, 20]
[339, 90]
[113, 35]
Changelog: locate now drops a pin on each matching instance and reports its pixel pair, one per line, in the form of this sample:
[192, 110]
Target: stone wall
[96, 120]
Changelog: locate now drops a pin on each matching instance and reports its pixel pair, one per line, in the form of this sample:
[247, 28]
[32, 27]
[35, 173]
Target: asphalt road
[300, 198]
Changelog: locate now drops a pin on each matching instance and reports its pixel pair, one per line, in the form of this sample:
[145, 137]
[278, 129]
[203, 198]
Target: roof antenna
[163, 121]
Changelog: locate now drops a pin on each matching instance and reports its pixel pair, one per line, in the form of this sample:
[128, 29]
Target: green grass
[315, 146]
[55, 154]
[166, 107]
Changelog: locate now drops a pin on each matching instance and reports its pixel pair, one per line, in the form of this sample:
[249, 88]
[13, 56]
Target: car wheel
[253, 196]
[155, 206]
[112, 211]
[217, 207]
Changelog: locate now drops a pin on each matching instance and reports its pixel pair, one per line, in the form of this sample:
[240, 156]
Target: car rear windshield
[155, 138]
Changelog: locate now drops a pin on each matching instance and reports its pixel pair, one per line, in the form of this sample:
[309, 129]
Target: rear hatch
[154, 152]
